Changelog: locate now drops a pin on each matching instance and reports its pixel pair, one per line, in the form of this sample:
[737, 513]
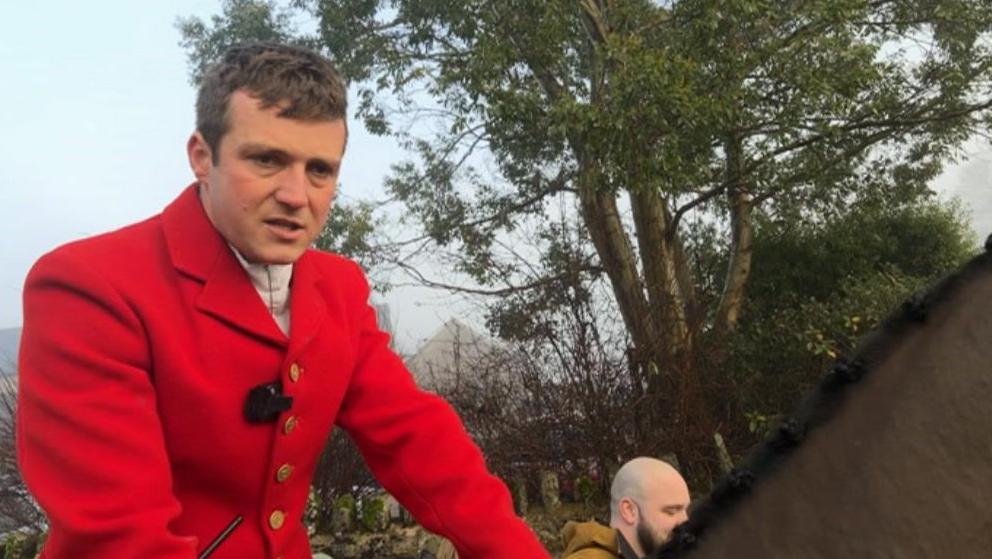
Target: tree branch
[502, 292]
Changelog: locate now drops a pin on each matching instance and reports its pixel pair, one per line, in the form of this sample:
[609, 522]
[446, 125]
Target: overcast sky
[95, 110]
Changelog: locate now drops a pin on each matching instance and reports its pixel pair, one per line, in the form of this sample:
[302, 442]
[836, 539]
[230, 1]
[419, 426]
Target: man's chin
[648, 541]
[274, 256]
[280, 260]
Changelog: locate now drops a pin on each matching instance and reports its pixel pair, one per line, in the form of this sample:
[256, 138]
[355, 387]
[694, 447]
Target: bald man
[648, 499]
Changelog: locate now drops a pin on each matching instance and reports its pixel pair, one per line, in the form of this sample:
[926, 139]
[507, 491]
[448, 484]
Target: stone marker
[520, 495]
[341, 519]
[550, 490]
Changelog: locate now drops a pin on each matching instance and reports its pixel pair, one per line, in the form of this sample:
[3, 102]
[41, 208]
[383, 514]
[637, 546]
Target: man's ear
[200, 156]
[629, 511]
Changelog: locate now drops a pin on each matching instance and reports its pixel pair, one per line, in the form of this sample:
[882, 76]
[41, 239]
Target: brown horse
[891, 456]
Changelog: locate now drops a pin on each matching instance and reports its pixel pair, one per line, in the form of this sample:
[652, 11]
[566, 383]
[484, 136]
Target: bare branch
[543, 282]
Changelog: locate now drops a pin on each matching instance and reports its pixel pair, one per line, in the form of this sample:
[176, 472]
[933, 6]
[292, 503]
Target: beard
[647, 539]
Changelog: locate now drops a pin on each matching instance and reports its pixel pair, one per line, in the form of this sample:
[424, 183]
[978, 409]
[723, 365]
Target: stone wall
[378, 527]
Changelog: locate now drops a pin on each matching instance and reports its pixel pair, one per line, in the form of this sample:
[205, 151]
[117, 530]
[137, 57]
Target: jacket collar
[626, 551]
[198, 250]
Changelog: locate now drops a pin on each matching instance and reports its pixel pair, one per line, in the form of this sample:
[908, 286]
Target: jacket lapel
[198, 250]
[307, 305]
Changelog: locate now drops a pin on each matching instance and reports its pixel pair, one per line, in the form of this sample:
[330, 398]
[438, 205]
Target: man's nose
[292, 188]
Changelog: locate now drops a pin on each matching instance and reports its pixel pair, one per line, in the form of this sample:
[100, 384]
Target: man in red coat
[141, 346]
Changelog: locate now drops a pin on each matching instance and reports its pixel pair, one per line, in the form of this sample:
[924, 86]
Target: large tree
[639, 125]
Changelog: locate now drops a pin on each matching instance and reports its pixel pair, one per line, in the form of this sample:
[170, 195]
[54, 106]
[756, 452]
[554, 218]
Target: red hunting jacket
[138, 351]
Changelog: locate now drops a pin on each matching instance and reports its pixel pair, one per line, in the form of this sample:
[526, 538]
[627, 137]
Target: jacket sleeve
[90, 444]
[416, 446]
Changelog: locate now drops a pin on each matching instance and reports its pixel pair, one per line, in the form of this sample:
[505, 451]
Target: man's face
[666, 505]
[270, 190]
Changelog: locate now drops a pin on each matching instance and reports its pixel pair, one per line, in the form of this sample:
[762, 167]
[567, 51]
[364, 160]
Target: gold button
[294, 372]
[276, 519]
[283, 473]
[290, 424]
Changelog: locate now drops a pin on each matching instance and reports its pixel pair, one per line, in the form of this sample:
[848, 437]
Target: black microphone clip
[265, 402]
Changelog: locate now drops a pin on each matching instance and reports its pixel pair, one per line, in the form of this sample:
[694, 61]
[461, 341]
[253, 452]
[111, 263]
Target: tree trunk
[659, 259]
[602, 220]
[742, 238]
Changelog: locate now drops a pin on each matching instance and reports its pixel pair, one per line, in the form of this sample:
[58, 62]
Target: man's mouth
[285, 229]
[285, 224]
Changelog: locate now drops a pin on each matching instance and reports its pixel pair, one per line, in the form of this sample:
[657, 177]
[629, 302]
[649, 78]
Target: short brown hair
[307, 83]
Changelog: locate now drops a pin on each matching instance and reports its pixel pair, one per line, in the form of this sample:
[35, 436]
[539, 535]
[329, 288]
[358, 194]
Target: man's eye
[265, 160]
[321, 171]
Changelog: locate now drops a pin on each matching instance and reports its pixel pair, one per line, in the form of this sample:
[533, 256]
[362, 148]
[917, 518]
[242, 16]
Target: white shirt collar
[272, 283]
